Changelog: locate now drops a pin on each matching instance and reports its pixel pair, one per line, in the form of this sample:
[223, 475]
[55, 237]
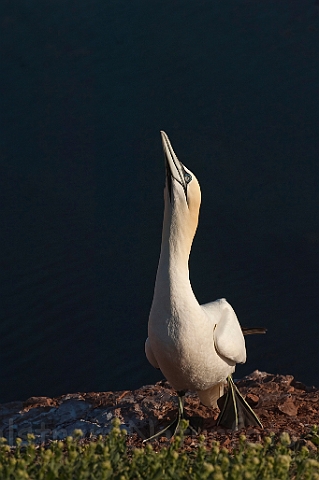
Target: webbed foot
[173, 427]
[236, 413]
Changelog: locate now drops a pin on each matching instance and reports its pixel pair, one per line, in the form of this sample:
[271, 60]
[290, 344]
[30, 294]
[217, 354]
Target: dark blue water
[85, 89]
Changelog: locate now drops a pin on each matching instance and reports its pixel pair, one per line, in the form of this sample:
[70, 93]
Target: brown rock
[252, 399]
[311, 446]
[298, 385]
[226, 442]
[33, 402]
[288, 407]
[282, 404]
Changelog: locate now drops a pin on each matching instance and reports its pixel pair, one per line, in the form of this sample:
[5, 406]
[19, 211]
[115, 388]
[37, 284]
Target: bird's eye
[187, 177]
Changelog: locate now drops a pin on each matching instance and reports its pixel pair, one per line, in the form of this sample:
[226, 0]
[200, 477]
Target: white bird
[195, 346]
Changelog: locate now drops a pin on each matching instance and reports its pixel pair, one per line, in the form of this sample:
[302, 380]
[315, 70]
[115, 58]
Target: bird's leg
[182, 414]
[236, 413]
[174, 425]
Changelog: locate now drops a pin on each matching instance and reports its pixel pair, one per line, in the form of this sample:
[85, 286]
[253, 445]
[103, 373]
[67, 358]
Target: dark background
[85, 89]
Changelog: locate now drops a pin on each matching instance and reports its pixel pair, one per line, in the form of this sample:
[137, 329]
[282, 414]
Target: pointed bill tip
[164, 136]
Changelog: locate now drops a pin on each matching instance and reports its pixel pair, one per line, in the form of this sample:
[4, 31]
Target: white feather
[196, 347]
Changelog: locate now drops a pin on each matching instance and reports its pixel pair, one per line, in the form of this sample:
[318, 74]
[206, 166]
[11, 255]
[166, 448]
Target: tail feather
[253, 330]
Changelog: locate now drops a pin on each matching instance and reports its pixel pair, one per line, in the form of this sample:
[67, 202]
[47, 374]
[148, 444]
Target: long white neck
[172, 280]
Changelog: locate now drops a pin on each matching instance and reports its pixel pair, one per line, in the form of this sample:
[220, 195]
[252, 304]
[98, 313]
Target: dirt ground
[282, 403]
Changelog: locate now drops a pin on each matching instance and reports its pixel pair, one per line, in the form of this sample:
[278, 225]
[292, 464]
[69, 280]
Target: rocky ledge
[282, 404]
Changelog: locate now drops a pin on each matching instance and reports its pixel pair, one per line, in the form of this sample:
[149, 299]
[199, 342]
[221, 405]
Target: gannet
[195, 346]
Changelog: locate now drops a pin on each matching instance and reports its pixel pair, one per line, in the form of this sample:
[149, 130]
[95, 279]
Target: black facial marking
[184, 177]
[187, 177]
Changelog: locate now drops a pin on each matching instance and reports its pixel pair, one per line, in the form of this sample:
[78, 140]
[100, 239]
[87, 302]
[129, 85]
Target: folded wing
[228, 336]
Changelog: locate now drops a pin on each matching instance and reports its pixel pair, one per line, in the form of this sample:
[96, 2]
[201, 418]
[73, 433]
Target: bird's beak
[174, 168]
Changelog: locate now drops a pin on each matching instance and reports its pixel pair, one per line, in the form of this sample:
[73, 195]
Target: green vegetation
[110, 458]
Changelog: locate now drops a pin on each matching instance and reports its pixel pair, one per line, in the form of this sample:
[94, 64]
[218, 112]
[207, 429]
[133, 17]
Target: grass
[109, 458]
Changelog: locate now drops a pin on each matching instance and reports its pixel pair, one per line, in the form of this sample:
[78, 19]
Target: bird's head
[182, 191]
